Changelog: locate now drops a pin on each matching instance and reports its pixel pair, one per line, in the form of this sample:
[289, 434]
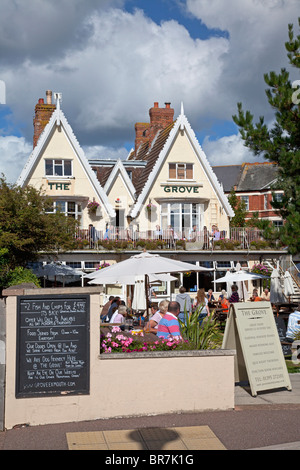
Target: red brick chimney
[159, 119]
[43, 113]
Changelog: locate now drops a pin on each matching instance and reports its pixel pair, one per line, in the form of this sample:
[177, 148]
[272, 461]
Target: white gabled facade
[182, 186]
[176, 179]
[60, 168]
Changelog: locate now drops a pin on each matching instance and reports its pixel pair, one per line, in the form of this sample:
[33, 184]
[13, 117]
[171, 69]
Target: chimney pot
[41, 101]
[156, 104]
[168, 105]
[49, 96]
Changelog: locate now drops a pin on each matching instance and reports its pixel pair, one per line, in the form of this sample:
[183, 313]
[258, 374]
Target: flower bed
[116, 342]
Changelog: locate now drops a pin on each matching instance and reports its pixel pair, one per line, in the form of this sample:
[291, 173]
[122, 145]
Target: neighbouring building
[254, 184]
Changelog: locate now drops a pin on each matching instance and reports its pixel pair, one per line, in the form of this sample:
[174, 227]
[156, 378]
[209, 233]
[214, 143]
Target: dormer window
[58, 167]
[181, 171]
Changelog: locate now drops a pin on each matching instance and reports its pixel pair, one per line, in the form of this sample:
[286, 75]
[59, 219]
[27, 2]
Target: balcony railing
[235, 238]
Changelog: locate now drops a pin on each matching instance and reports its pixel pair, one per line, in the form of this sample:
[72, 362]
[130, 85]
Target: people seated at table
[115, 303]
[201, 303]
[210, 296]
[169, 324]
[152, 327]
[251, 298]
[119, 314]
[105, 307]
[293, 327]
[234, 295]
[185, 302]
[256, 297]
[265, 295]
[225, 304]
[221, 296]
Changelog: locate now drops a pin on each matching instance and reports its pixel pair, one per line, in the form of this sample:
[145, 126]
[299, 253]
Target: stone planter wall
[132, 384]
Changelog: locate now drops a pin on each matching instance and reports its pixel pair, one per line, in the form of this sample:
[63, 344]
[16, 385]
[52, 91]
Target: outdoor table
[284, 308]
[220, 314]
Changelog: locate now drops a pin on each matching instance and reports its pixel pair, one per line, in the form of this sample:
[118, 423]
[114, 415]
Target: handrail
[239, 236]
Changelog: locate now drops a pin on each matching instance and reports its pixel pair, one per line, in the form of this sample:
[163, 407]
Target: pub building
[166, 188]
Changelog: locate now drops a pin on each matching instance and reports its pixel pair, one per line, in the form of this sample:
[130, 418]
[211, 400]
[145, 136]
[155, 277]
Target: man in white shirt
[293, 324]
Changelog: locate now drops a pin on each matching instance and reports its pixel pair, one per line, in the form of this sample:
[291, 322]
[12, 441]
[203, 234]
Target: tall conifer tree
[281, 142]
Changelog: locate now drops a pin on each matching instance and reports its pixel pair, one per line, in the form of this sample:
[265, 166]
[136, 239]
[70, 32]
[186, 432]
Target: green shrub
[204, 336]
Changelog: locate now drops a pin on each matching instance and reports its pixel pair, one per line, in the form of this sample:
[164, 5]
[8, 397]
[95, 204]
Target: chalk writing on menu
[52, 345]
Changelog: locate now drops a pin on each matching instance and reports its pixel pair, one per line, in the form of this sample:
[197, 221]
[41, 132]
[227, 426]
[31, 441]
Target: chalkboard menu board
[52, 345]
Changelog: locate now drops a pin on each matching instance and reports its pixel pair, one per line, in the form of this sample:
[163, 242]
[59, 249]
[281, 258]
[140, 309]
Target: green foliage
[281, 142]
[240, 211]
[25, 227]
[20, 275]
[204, 336]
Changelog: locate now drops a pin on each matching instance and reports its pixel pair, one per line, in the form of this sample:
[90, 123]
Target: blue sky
[112, 59]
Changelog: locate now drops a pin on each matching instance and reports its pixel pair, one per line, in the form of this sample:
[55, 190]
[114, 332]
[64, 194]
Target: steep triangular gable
[182, 125]
[58, 119]
[119, 170]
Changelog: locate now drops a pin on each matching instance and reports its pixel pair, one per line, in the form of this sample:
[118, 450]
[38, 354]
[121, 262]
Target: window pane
[58, 169]
[186, 208]
[189, 171]
[61, 206]
[164, 222]
[164, 208]
[175, 207]
[180, 171]
[49, 167]
[71, 206]
[172, 170]
[68, 168]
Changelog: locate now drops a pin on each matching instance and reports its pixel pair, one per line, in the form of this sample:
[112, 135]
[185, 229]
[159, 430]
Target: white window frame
[62, 164]
[77, 213]
[245, 198]
[199, 215]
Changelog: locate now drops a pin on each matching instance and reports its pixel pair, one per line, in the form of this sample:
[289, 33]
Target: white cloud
[127, 63]
[14, 152]
[228, 150]
[257, 31]
[99, 152]
[111, 65]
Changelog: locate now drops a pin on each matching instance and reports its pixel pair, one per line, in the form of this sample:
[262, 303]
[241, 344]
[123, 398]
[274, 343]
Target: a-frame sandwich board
[251, 330]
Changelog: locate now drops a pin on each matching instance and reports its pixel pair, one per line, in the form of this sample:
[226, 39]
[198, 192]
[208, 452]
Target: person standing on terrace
[185, 303]
[235, 295]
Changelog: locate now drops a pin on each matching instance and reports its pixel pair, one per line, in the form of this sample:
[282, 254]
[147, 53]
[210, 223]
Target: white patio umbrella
[128, 278]
[240, 276]
[241, 284]
[276, 294]
[288, 285]
[145, 264]
[139, 298]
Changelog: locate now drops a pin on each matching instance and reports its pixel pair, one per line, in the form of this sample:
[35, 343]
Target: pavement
[269, 421]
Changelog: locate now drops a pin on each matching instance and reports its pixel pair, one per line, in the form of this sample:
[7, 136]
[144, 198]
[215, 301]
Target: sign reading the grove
[63, 186]
[181, 189]
[52, 345]
[259, 358]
